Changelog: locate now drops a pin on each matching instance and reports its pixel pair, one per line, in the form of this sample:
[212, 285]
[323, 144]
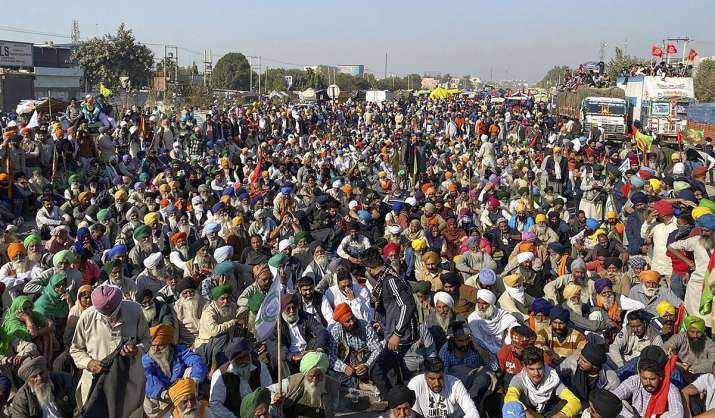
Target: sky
[509, 39]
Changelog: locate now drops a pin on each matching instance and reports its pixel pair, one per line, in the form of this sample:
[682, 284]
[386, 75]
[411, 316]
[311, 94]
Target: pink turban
[106, 298]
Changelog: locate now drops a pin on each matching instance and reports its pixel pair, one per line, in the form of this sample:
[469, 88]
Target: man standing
[44, 394]
[439, 394]
[105, 326]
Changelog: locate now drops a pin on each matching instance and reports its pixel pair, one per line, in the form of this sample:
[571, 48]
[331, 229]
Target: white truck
[659, 103]
[602, 107]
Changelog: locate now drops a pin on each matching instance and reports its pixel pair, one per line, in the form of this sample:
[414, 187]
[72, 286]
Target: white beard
[193, 413]
[443, 321]
[312, 394]
[322, 261]
[608, 302]
[650, 291]
[34, 256]
[191, 306]
[43, 393]
[488, 314]
[184, 228]
[20, 266]
[575, 306]
[149, 313]
[290, 318]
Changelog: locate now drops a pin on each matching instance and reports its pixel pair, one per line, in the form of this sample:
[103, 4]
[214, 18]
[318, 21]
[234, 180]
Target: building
[429, 83]
[354, 70]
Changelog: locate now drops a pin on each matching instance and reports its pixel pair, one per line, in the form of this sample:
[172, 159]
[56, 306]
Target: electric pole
[208, 67]
[75, 32]
[602, 50]
[385, 74]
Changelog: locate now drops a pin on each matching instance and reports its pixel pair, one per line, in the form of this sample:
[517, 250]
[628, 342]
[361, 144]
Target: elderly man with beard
[644, 390]
[635, 336]
[219, 317]
[164, 364]
[353, 349]
[400, 401]
[109, 322]
[701, 246]
[223, 273]
[558, 340]
[475, 260]
[63, 263]
[144, 246]
[263, 279]
[201, 262]
[44, 394]
[695, 351]
[579, 275]
[582, 315]
[533, 281]
[465, 297]
[539, 315]
[210, 232]
[152, 277]
[318, 267]
[650, 292]
[345, 291]
[184, 400]
[180, 250]
[490, 325]
[300, 334]
[155, 311]
[126, 234]
[114, 269]
[514, 299]
[605, 303]
[438, 320]
[587, 371]
[16, 272]
[440, 394]
[236, 379]
[310, 392]
[187, 309]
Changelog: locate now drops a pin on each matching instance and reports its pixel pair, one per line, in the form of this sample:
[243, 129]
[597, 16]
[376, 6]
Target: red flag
[692, 54]
[680, 137]
[656, 52]
[670, 49]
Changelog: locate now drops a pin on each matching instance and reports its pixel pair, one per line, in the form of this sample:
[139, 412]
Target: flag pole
[279, 362]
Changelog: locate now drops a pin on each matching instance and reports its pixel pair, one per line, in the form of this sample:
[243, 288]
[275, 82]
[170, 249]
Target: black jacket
[25, 404]
[312, 331]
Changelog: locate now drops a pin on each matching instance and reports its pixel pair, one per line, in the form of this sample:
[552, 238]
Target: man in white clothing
[356, 296]
[439, 394]
[659, 223]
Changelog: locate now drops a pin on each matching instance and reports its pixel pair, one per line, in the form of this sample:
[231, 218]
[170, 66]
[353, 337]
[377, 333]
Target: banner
[656, 52]
[269, 311]
[104, 91]
[706, 297]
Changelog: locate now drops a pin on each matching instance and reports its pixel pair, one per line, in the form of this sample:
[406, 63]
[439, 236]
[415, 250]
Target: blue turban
[557, 312]
[117, 250]
[364, 215]
[706, 222]
[256, 200]
[322, 199]
[243, 196]
[557, 247]
[487, 277]
[286, 189]
[637, 263]
[212, 227]
[541, 306]
[217, 207]
[638, 197]
[637, 181]
[397, 206]
[601, 284]
[229, 191]
[591, 224]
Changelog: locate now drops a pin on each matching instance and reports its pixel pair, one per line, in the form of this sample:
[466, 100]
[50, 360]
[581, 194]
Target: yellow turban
[654, 184]
[649, 276]
[162, 334]
[236, 221]
[520, 206]
[431, 257]
[180, 389]
[540, 218]
[663, 308]
[84, 197]
[457, 259]
[512, 280]
[700, 211]
[419, 244]
[612, 214]
[164, 188]
[676, 156]
[150, 218]
[571, 290]
[120, 195]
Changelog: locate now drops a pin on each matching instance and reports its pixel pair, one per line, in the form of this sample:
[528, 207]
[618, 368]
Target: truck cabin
[665, 116]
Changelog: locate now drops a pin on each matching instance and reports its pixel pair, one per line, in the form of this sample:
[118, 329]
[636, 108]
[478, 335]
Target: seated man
[558, 340]
[353, 348]
[256, 404]
[310, 299]
[217, 325]
[638, 390]
[514, 299]
[44, 393]
[511, 356]
[579, 275]
[603, 403]
[310, 392]
[300, 334]
[465, 297]
[700, 395]
[634, 337]
[236, 379]
[585, 372]
[187, 310]
[650, 292]
[490, 325]
[460, 356]
[695, 351]
[432, 271]
[184, 400]
[539, 389]
[356, 296]
[439, 318]
[439, 394]
[400, 401]
[164, 364]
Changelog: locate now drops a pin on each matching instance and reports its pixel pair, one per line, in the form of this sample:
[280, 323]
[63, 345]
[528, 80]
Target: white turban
[59, 228]
[411, 201]
[284, 244]
[487, 296]
[525, 256]
[395, 229]
[352, 205]
[153, 260]
[337, 184]
[131, 210]
[445, 298]
[222, 254]
[196, 200]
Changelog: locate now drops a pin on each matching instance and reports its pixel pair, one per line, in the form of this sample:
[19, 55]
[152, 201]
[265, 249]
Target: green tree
[553, 76]
[112, 56]
[620, 64]
[232, 72]
[704, 80]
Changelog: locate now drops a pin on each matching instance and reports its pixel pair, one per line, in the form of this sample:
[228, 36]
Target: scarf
[539, 396]
[489, 332]
[613, 312]
[453, 234]
[516, 293]
[563, 265]
[49, 304]
[658, 402]
[582, 384]
[14, 327]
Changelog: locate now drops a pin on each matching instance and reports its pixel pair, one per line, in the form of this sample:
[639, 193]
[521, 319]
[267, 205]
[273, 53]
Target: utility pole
[250, 73]
[259, 78]
[602, 50]
[685, 41]
[75, 32]
[385, 73]
[208, 68]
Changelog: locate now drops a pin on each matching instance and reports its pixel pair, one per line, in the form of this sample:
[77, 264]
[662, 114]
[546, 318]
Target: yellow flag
[104, 90]
[643, 141]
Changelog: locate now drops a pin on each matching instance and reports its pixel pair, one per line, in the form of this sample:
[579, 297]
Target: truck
[701, 117]
[659, 103]
[602, 107]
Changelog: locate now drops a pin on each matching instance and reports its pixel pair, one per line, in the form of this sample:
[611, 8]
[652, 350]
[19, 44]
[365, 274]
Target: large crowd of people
[413, 258]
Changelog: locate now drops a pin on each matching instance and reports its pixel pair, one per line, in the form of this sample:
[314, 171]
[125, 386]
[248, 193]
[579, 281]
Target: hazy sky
[517, 39]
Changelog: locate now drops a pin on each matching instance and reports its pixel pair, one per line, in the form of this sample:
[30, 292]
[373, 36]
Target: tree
[112, 56]
[704, 80]
[553, 76]
[232, 72]
[620, 64]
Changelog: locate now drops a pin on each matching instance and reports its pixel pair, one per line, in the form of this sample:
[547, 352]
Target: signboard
[15, 54]
[657, 87]
[333, 91]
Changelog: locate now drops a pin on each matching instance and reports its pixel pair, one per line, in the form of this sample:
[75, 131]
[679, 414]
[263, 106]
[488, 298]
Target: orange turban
[649, 276]
[14, 249]
[179, 236]
[342, 312]
[526, 247]
[162, 334]
[431, 257]
[180, 389]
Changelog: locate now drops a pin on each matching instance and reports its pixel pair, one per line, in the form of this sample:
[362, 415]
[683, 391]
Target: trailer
[601, 107]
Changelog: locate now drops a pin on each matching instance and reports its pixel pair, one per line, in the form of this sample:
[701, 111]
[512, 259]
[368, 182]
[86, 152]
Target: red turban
[664, 208]
[699, 171]
[342, 312]
[390, 249]
[179, 236]
[106, 298]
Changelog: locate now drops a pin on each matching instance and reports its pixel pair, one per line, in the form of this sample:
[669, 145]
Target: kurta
[694, 288]
[95, 338]
[213, 323]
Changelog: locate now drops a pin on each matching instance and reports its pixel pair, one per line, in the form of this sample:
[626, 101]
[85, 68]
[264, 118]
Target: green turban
[251, 401]
[692, 321]
[30, 239]
[255, 302]
[110, 265]
[299, 236]
[141, 231]
[224, 268]
[223, 289]
[63, 256]
[74, 178]
[422, 287]
[278, 260]
[312, 360]
[103, 215]
[707, 203]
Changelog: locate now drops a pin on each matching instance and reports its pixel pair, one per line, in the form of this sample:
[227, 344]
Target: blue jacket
[184, 358]
[527, 224]
[633, 233]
